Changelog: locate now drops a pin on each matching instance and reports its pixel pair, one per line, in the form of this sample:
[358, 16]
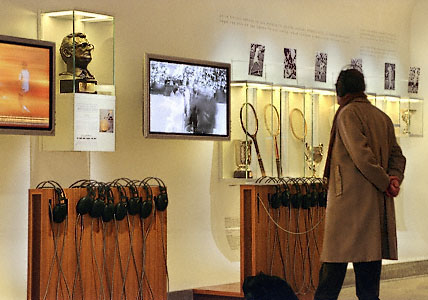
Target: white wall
[198, 253]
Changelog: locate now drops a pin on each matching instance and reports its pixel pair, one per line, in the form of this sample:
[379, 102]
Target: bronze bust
[83, 56]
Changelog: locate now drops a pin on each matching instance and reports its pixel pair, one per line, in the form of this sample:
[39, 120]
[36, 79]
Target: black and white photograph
[357, 63]
[188, 99]
[321, 67]
[257, 56]
[389, 76]
[290, 69]
[414, 80]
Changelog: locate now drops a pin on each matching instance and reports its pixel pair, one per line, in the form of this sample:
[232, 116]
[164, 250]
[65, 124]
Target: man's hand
[394, 187]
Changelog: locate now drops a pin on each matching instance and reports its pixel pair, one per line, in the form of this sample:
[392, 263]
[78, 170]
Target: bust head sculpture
[83, 55]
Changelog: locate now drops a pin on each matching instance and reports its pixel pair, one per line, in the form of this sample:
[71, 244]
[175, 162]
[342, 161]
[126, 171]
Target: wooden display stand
[84, 258]
[268, 248]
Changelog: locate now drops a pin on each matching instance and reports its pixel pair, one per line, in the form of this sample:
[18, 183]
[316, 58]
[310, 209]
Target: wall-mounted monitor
[27, 86]
[186, 98]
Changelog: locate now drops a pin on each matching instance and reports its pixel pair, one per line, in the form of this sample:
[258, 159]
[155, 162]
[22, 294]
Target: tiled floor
[411, 288]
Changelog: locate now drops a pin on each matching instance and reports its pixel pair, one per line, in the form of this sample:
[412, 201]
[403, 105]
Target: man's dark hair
[266, 287]
[350, 81]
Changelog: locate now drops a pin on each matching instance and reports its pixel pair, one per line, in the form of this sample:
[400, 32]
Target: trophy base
[243, 174]
[81, 86]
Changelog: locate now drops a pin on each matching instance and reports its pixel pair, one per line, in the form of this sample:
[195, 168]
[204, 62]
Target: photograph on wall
[257, 56]
[357, 63]
[290, 69]
[321, 67]
[187, 98]
[389, 76]
[414, 80]
[106, 120]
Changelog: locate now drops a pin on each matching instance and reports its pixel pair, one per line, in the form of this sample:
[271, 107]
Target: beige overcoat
[360, 218]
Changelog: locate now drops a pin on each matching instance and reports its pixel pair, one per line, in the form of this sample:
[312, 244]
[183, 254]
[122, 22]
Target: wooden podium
[284, 242]
[84, 258]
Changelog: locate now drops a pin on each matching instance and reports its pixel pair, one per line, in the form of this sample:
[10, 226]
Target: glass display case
[411, 117]
[84, 66]
[320, 110]
[391, 106]
[277, 131]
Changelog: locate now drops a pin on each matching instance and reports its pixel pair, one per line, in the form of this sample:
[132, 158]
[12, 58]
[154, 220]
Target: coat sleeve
[396, 161]
[357, 145]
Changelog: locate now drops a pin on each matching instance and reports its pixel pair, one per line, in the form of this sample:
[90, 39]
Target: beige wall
[198, 252]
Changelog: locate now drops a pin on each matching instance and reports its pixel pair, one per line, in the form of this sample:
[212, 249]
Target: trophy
[243, 159]
[406, 116]
[76, 52]
[313, 156]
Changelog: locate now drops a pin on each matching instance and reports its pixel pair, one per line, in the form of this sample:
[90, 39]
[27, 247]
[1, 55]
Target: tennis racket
[273, 125]
[250, 125]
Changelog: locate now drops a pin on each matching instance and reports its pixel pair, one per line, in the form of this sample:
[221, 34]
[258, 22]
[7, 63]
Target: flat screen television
[27, 86]
[186, 98]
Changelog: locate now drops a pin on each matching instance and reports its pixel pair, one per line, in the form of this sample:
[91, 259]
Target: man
[364, 169]
[24, 78]
[83, 55]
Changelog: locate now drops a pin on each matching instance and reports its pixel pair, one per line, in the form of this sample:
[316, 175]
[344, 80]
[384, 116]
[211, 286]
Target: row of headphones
[298, 193]
[99, 201]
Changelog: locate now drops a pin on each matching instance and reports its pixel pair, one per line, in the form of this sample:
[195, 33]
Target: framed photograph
[413, 85]
[321, 67]
[257, 57]
[27, 86]
[389, 76]
[186, 98]
[357, 63]
[290, 69]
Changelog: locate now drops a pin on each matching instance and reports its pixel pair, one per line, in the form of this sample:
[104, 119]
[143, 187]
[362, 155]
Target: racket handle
[259, 158]
[278, 167]
[278, 161]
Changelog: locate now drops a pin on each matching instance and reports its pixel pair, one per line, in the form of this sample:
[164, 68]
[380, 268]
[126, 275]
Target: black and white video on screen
[188, 99]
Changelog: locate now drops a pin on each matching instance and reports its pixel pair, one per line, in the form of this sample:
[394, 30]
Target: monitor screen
[27, 86]
[186, 98]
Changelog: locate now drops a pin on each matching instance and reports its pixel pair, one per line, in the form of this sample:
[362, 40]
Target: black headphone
[350, 80]
[161, 200]
[108, 210]
[146, 205]
[307, 196]
[285, 195]
[60, 210]
[275, 199]
[296, 198]
[121, 208]
[98, 204]
[84, 205]
[134, 200]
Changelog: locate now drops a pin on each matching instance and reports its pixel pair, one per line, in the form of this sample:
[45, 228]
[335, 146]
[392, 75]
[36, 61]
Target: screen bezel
[29, 130]
[146, 91]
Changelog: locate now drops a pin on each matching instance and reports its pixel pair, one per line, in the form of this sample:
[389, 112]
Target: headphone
[58, 213]
[350, 80]
[285, 195]
[307, 195]
[98, 204]
[84, 205]
[296, 198]
[161, 200]
[60, 210]
[121, 208]
[275, 199]
[108, 210]
[146, 206]
[134, 200]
